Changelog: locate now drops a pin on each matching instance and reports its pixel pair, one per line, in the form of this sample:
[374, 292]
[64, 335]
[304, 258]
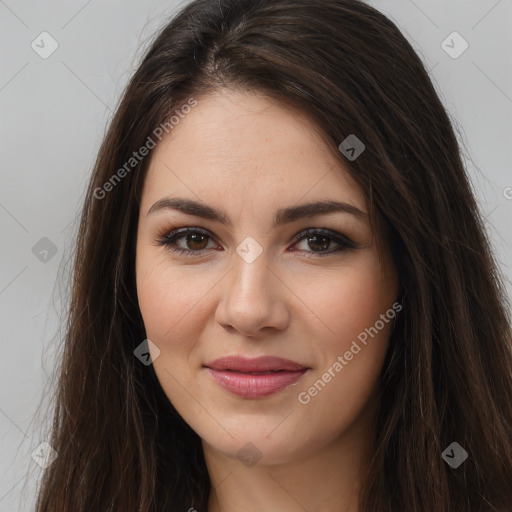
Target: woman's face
[239, 169]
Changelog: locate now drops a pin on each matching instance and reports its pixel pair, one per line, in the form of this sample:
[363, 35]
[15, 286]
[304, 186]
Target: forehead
[248, 144]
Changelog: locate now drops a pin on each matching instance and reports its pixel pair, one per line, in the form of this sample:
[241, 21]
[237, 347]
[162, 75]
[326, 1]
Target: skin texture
[250, 156]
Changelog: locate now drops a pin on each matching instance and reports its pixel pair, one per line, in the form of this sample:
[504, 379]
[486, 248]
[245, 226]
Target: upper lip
[258, 364]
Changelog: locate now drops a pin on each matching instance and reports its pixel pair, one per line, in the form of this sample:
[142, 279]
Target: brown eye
[319, 241]
[196, 241]
[186, 241]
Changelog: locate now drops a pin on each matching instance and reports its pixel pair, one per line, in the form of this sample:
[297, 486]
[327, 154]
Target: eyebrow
[283, 216]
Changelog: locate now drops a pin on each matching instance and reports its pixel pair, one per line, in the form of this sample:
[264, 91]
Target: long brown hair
[448, 372]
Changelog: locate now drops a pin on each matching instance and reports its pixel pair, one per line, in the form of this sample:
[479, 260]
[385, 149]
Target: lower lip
[255, 386]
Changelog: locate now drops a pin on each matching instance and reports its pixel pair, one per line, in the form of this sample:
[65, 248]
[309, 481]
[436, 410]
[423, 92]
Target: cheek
[175, 303]
[358, 312]
[174, 311]
[167, 294]
[353, 299]
[153, 287]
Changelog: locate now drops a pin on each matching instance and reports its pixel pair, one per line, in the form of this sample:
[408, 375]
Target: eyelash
[168, 240]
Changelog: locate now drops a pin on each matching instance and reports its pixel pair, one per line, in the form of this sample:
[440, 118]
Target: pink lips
[255, 378]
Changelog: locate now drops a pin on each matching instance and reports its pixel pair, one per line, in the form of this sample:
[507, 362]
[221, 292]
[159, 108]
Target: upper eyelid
[196, 229]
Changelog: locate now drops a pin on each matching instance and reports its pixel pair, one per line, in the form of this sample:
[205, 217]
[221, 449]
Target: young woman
[284, 297]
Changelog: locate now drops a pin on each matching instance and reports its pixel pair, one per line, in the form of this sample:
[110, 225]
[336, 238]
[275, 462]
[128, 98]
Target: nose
[253, 298]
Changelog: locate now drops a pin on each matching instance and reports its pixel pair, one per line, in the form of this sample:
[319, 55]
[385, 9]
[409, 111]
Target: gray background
[53, 117]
